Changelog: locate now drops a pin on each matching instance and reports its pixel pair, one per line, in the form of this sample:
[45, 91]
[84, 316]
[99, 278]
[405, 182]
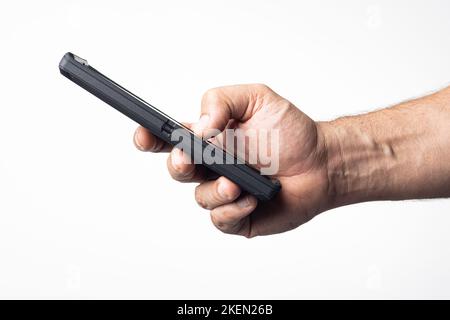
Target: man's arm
[401, 152]
[397, 153]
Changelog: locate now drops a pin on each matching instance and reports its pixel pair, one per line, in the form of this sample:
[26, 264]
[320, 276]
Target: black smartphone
[248, 178]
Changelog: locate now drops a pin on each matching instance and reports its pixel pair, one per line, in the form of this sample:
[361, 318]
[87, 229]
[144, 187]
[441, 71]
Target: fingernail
[243, 202]
[221, 190]
[202, 124]
[177, 158]
[137, 137]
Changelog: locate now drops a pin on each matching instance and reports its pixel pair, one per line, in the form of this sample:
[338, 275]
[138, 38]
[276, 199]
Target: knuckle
[210, 95]
[180, 170]
[174, 171]
[261, 87]
[187, 174]
[225, 221]
[249, 235]
[218, 223]
[227, 217]
[199, 198]
[157, 146]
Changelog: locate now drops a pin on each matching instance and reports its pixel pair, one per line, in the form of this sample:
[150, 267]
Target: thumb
[220, 105]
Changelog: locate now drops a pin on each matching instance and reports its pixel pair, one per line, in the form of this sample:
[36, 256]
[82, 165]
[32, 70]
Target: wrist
[334, 165]
[392, 154]
[357, 164]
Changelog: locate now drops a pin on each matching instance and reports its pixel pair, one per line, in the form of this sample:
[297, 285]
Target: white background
[85, 215]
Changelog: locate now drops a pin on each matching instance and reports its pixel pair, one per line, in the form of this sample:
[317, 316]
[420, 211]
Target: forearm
[397, 153]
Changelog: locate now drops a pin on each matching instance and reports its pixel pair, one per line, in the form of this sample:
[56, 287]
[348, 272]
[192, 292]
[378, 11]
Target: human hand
[302, 162]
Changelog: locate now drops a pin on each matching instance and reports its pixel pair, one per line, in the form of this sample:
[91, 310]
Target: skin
[402, 152]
